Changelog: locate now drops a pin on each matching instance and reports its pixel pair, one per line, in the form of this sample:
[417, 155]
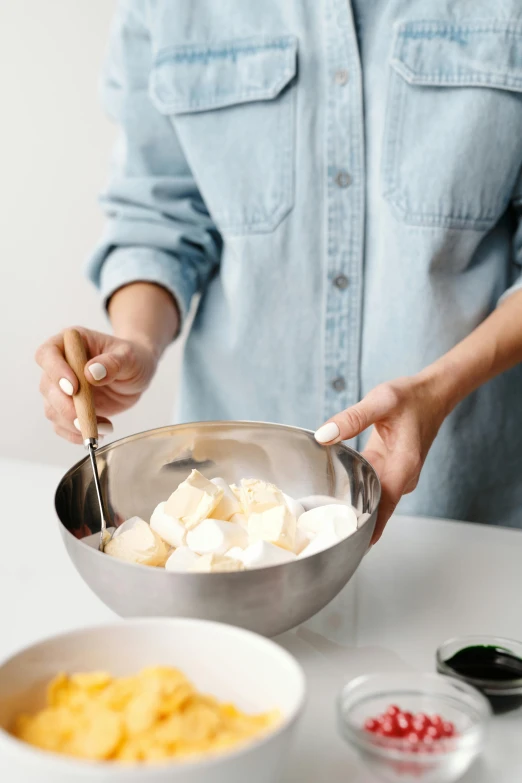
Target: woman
[341, 184]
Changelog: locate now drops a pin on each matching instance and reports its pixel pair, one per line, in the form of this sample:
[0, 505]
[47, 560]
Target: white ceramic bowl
[230, 663]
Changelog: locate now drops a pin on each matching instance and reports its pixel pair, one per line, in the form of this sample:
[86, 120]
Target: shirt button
[339, 384]
[343, 179]
[341, 77]
[341, 282]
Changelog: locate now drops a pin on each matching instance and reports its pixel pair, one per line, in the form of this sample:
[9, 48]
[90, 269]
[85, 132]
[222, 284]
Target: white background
[55, 145]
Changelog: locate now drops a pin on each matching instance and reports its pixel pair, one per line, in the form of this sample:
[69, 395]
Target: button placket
[345, 151]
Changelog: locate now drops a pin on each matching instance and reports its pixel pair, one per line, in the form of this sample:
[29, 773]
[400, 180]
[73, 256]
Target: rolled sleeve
[127, 265]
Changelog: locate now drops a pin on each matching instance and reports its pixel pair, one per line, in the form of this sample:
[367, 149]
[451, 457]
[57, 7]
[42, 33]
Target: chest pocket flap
[232, 104]
[477, 54]
[200, 77]
[453, 146]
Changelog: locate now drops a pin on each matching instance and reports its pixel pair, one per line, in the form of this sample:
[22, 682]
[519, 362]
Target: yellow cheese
[258, 496]
[276, 525]
[194, 500]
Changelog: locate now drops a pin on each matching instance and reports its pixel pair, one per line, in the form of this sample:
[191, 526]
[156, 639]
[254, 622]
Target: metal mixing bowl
[138, 472]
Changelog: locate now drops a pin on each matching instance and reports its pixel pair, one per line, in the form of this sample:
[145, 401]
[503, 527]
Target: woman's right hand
[118, 370]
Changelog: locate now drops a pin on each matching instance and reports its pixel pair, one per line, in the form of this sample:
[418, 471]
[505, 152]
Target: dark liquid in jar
[483, 662]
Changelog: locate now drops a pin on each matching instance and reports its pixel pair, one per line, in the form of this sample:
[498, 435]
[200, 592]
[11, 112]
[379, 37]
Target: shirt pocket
[233, 108]
[453, 141]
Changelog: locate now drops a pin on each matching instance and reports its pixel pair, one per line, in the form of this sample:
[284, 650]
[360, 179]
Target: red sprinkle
[448, 729]
[419, 732]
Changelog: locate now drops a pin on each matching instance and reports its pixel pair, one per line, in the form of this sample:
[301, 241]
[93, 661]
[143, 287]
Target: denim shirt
[341, 184]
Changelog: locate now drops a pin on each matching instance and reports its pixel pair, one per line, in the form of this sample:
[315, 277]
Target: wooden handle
[76, 357]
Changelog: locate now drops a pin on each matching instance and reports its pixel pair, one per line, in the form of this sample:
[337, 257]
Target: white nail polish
[66, 386]
[327, 433]
[97, 371]
[77, 424]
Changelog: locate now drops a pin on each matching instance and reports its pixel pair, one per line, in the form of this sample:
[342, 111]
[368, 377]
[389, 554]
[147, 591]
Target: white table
[427, 580]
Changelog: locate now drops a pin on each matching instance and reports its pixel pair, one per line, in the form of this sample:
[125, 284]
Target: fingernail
[327, 432]
[66, 386]
[77, 424]
[97, 371]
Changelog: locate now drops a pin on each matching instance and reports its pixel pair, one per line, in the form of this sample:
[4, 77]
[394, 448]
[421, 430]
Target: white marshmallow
[294, 506]
[315, 501]
[213, 563]
[216, 536]
[182, 559]
[263, 553]
[302, 539]
[229, 504]
[169, 529]
[314, 520]
[332, 531]
[127, 525]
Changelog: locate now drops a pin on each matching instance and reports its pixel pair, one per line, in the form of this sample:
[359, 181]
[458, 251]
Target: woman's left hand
[406, 415]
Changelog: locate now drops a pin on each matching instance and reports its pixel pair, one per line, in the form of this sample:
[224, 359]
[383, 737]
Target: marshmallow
[216, 536]
[294, 506]
[302, 539]
[169, 529]
[212, 563]
[136, 542]
[276, 525]
[129, 524]
[182, 559]
[314, 520]
[194, 500]
[314, 501]
[228, 505]
[263, 553]
[332, 531]
[258, 496]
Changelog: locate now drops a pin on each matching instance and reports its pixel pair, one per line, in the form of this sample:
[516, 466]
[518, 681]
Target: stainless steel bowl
[138, 472]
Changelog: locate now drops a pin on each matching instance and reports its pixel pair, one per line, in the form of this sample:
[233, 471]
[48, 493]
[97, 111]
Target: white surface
[54, 159]
[425, 581]
[230, 673]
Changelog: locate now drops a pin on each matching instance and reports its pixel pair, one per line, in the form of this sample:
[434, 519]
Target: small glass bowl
[503, 695]
[448, 759]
